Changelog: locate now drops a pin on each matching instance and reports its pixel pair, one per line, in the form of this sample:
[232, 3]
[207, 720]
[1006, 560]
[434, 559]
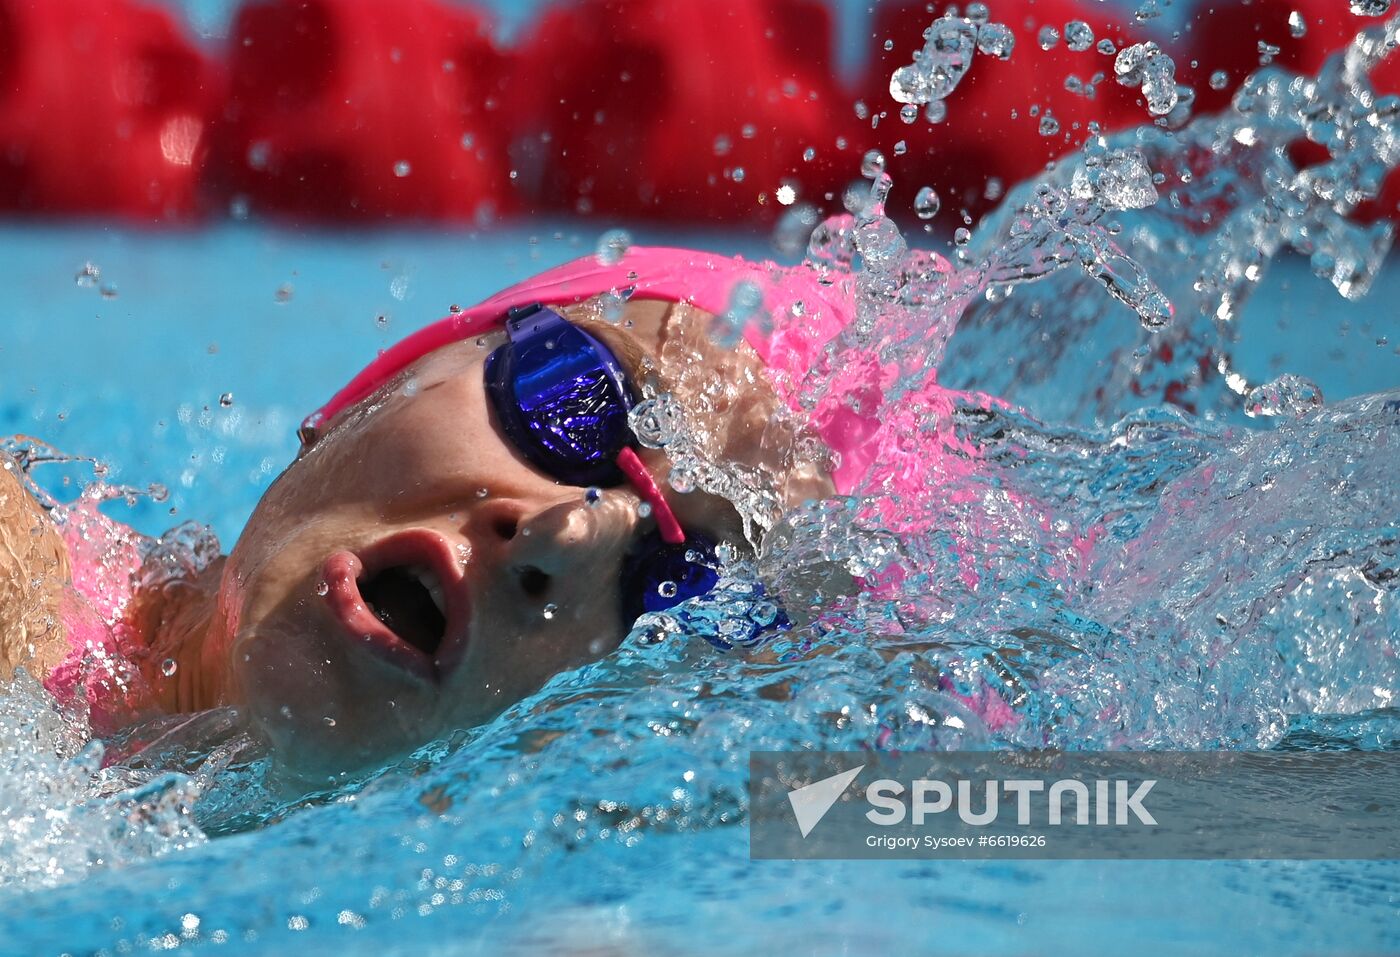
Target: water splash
[65, 813]
[950, 43]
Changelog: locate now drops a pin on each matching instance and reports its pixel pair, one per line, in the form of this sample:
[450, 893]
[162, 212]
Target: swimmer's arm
[33, 572]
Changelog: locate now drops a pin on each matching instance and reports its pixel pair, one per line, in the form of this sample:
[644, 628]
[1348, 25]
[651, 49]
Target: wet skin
[411, 573]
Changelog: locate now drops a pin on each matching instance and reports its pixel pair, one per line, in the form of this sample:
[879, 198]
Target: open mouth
[404, 599]
[408, 600]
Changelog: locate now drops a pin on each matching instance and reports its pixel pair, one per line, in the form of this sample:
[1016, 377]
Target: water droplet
[1219, 80]
[889, 45]
[901, 148]
[872, 164]
[950, 43]
[936, 112]
[1297, 26]
[259, 153]
[995, 39]
[1049, 126]
[226, 399]
[107, 290]
[323, 589]
[482, 492]
[644, 510]
[1048, 38]
[592, 495]
[549, 611]
[809, 154]
[962, 236]
[1106, 47]
[737, 174]
[1290, 396]
[168, 667]
[329, 721]
[283, 294]
[1079, 36]
[88, 275]
[927, 203]
[402, 169]
[978, 13]
[908, 113]
[1145, 65]
[666, 589]
[1370, 8]
[723, 144]
[612, 246]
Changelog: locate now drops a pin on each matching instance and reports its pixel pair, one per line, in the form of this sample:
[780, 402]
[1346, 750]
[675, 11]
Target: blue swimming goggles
[563, 399]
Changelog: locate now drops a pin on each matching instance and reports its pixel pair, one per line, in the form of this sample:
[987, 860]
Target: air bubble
[168, 667]
[549, 611]
[592, 496]
[226, 399]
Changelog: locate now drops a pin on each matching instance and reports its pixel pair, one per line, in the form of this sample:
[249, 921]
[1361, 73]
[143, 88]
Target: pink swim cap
[704, 280]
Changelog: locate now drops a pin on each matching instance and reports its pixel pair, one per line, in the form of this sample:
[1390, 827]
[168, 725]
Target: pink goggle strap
[637, 474]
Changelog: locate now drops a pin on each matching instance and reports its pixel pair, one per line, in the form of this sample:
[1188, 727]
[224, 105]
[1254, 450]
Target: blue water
[478, 851]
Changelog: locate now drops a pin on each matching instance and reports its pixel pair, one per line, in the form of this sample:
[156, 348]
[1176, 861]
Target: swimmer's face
[412, 573]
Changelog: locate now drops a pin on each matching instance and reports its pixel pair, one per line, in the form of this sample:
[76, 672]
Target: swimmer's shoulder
[34, 571]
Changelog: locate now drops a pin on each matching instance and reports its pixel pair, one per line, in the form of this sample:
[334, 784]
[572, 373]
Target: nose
[561, 550]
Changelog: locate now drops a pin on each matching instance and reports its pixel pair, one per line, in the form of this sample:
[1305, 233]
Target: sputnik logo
[810, 803]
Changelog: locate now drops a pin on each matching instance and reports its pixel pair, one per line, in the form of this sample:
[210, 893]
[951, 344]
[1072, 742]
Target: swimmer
[469, 516]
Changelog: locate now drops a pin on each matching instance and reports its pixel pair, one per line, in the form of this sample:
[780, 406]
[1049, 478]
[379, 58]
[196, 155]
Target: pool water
[1132, 547]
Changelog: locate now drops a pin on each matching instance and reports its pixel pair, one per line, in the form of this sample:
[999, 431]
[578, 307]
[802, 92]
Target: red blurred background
[362, 111]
